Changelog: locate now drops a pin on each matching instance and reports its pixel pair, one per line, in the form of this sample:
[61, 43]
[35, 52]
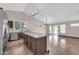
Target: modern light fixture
[35, 11]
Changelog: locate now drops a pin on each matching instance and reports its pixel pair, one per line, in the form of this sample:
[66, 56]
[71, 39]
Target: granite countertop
[35, 35]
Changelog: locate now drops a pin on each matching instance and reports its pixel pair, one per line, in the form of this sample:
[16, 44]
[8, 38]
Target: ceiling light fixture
[35, 11]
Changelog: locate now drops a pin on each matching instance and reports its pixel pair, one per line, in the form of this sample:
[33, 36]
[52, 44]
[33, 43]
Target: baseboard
[69, 36]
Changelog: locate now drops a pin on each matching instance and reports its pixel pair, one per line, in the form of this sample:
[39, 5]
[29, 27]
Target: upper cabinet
[10, 23]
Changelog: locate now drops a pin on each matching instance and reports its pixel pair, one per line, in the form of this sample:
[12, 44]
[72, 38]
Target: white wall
[70, 31]
[1, 32]
[32, 22]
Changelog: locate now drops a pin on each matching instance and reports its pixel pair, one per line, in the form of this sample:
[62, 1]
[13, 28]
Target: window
[55, 29]
[75, 24]
[22, 25]
[17, 25]
[63, 28]
[50, 29]
[25, 25]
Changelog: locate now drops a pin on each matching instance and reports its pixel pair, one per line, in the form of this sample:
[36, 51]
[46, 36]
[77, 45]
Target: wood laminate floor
[63, 46]
[17, 48]
[57, 45]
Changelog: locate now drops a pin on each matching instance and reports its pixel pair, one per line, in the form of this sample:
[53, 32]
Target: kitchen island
[36, 42]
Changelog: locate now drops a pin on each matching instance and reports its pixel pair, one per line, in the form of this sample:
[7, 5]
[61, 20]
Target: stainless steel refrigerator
[5, 31]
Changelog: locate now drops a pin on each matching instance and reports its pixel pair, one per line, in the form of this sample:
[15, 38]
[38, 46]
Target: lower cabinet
[20, 35]
[41, 47]
[37, 45]
[26, 40]
[29, 42]
[34, 46]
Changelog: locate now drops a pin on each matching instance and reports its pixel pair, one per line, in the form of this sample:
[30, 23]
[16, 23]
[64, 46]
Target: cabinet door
[41, 45]
[26, 39]
[29, 42]
[20, 35]
[34, 46]
[10, 23]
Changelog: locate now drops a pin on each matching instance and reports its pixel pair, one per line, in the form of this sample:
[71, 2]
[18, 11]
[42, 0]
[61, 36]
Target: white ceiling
[53, 12]
[14, 6]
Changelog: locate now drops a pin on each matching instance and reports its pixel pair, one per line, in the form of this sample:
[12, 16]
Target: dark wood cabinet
[34, 45]
[41, 45]
[20, 35]
[26, 39]
[37, 45]
[10, 23]
[29, 42]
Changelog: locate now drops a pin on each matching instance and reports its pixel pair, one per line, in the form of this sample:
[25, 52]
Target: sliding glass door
[55, 29]
[50, 29]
